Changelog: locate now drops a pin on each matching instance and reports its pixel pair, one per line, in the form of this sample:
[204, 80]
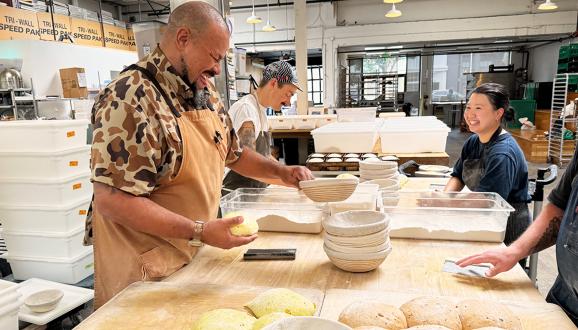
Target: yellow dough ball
[224, 319]
[247, 228]
[267, 319]
[281, 300]
[346, 176]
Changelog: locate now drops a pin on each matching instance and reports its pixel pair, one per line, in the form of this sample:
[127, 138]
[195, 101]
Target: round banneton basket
[329, 190]
[356, 223]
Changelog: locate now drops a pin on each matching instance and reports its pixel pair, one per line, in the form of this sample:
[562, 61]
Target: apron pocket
[153, 266]
[571, 243]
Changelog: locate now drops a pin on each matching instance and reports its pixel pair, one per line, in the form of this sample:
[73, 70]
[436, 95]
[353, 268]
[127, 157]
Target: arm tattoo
[549, 236]
[247, 137]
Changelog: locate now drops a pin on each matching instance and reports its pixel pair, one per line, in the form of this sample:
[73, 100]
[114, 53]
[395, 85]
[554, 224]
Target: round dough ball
[333, 155]
[490, 328]
[315, 160]
[281, 300]
[224, 319]
[334, 160]
[428, 327]
[346, 176]
[248, 227]
[430, 311]
[476, 314]
[373, 313]
[353, 160]
[267, 319]
[369, 327]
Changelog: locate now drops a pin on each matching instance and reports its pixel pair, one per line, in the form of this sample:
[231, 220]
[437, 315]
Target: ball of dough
[490, 328]
[369, 327]
[248, 227]
[373, 313]
[281, 300]
[476, 314]
[223, 319]
[430, 311]
[346, 176]
[428, 327]
[267, 319]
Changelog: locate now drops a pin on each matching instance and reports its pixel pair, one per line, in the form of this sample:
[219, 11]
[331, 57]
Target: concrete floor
[547, 269]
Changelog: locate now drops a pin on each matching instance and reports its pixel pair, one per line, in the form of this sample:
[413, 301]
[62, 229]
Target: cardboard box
[73, 82]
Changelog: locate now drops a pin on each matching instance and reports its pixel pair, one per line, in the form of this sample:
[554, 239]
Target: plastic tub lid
[47, 123]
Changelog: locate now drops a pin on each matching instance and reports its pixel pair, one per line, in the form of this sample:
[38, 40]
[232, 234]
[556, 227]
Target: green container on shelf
[523, 108]
[562, 67]
[564, 52]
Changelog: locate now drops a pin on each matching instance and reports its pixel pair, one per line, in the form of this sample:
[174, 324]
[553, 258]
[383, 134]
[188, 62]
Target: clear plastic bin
[464, 216]
[363, 198]
[276, 209]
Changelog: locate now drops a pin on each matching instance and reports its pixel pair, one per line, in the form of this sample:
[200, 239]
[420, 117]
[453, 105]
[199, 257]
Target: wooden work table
[219, 278]
[414, 266]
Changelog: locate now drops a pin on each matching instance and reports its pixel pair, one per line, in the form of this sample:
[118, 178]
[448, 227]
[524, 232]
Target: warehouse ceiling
[459, 46]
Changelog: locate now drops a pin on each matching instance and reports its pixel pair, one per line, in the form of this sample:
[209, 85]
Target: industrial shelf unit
[560, 151]
[18, 103]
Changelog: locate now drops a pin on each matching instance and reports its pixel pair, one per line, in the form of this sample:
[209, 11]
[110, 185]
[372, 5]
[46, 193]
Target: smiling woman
[491, 160]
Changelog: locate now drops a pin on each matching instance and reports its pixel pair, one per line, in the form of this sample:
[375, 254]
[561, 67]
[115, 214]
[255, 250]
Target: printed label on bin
[70, 134]
[73, 163]
[82, 212]
[76, 186]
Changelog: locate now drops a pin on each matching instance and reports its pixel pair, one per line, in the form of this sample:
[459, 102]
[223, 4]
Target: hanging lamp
[547, 5]
[393, 12]
[268, 27]
[254, 19]
[392, 1]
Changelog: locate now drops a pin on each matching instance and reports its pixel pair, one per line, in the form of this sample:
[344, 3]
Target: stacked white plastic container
[10, 302]
[45, 195]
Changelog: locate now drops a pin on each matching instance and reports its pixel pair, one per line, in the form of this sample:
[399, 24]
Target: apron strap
[155, 82]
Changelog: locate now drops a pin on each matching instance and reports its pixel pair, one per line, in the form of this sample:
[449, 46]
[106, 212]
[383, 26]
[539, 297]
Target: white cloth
[248, 109]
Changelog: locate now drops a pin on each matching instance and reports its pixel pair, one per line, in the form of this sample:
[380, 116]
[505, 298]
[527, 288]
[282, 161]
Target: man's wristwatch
[197, 234]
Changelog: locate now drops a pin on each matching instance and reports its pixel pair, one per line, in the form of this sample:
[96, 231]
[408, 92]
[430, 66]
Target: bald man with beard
[161, 141]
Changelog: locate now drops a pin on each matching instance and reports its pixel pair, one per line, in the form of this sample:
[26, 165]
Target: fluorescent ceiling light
[392, 1]
[393, 12]
[547, 5]
[374, 48]
[394, 47]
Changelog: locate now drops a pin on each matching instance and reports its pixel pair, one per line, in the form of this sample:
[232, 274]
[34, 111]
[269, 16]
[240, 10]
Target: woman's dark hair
[499, 98]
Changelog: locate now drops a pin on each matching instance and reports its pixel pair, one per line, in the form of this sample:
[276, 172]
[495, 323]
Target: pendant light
[393, 12]
[254, 19]
[392, 1]
[268, 27]
[547, 5]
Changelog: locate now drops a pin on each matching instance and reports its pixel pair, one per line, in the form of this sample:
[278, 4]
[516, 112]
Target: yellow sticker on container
[73, 163]
[70, 134]
[90, 265]
[76, 186]
[81, 212]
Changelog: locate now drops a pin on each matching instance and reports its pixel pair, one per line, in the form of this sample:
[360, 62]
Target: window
[449, 81]
[315, 84]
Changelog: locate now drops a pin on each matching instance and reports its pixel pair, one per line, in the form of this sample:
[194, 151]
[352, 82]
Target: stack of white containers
[45, 195]
[10, 303]
[384, 174]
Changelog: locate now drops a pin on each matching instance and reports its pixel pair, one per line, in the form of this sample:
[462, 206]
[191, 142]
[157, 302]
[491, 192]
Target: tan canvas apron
[122, 255]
